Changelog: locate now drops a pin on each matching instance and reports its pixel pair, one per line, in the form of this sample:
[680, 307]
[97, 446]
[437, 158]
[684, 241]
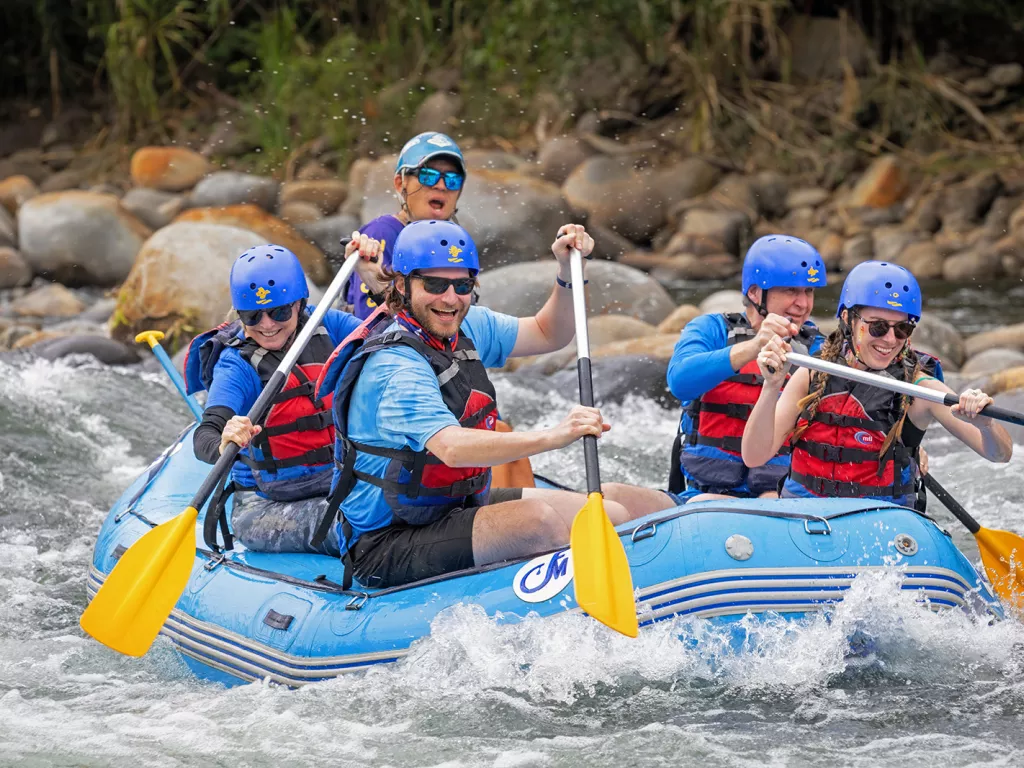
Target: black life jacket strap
[332, 513]
[734, 444]
[845, 420]
[309, 458]
[835, 454]
[733, 410]
[824, 487]
[313, 422]
[215, 516]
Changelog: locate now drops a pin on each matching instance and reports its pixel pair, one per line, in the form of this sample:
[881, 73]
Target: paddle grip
[951, 504]
[227, 459]
[992, 411]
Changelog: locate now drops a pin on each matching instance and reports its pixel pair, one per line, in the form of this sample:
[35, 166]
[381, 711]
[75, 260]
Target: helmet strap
[762, 305]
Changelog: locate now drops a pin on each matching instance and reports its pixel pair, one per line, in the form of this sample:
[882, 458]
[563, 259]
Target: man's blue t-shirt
[236, 385]
[385, 229]
[396, 403]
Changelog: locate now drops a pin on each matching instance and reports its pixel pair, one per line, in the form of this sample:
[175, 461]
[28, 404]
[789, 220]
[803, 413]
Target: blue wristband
[564, 284]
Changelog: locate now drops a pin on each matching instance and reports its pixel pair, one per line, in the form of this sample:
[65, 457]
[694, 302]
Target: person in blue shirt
[429, 177]
[283, 473]
[713, 371]
[415, 414]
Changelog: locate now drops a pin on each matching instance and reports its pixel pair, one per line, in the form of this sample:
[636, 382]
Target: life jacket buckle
[826, 529]
[357, 602]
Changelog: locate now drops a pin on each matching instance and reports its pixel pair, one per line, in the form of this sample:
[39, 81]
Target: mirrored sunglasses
[252, 317]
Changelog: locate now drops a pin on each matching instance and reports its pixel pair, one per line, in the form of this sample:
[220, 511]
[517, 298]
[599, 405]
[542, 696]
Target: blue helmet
[881, 285]
[267, 276]
[419, 149]
[783, 261]
[433, 244]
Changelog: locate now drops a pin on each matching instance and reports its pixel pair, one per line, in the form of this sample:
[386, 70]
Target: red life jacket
[839, 453]
[417, 486]
[292, 456]
[718, 418]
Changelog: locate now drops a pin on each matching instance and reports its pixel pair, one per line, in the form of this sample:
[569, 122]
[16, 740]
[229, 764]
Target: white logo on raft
[543, 577]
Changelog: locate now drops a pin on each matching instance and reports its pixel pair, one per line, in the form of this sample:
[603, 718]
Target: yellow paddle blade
[139, 594]
[604, 584]
[1002, 554]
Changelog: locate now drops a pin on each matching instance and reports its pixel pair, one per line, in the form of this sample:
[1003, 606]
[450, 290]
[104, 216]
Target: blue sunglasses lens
[428, 177]
[252, 317]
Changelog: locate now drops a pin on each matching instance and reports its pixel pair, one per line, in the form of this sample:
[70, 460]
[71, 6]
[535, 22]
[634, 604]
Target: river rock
[1007, 75]
[494, 160]
[438, 112]
[822, 47]
[601, 330]
[608, 244]
[831, 250]
[927, 214]
[79, 237]
[106, 350]
[890, 242]
[8, 230]
[857, 250]
[227, 188]
[171, 169]
[997, 220]
[730, 228]
[1004, 381]
[14, 270]
[358, 175]
[325, 194]
[924, 259]
[976, 264]
[52, 300]
[940, 338]
[327, 233]
[616, 195]
[179, 283]
[680, 316]
[271, 228]
[965, 204]
[226, 140]
[154, 207]
[1010, 336]
[15, 190]
[71, 178]
[722, 302]
[614, 289]
[991, 361]
[884, 183]
[299, 213]
[739, 192]
[686, 266]
[559, 156]
[806, 197]
[25, 162]
[689, 178]
[99, 312]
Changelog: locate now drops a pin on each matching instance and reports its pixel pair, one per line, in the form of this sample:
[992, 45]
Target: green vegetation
[356, 70]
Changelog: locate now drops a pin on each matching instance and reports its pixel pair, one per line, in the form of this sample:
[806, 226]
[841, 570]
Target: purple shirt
[385, 229]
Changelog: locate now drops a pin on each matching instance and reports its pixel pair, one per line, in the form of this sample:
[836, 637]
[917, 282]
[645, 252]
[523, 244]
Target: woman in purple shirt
[428, 181]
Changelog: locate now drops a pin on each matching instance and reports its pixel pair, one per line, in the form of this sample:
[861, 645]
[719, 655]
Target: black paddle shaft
[589, 441]
[993, 411]
[227, 459]
[951, 504]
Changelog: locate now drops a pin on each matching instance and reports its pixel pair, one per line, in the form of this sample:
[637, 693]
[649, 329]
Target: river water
[940, 690]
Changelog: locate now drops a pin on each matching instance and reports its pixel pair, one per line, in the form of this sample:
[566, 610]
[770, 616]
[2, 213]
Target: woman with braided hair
[854, 440]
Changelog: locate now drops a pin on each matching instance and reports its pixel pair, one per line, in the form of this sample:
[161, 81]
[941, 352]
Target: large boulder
[559, 156]
[179, 283]
[271, 228]
[614, 289]
[601, 330]
[1010, 337]
[80, 237]
[722, 302]
[8, 230]
[940, 338]
[225, 188]
[680, 316]
[616, 195]
[689, 178]
[883, 183]
[992, 361]
[106, 350]
[731, 229]
[153, 206]
[327, 233]
[171, 169]
[325, 194]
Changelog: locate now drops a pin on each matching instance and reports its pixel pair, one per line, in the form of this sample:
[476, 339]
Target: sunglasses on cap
[879, 328]
[439, 285]
[428, 177]
[252, 317]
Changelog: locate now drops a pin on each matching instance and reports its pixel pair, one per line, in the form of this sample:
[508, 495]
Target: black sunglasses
[879, 328]
[439, 285]
[252, 317]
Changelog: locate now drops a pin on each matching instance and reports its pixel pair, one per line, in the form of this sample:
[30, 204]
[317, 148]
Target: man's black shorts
[400, 554]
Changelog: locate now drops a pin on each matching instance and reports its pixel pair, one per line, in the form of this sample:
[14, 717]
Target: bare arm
[981, 434]
[553, 327]
[462, 447]
[773, 418]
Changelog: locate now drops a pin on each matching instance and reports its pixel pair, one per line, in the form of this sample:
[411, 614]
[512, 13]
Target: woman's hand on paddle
[580, 422]
[772, 362]
[972, 401]
[571, 236]
[238, 430]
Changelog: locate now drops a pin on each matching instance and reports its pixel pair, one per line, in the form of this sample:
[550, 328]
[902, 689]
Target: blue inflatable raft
[246, 616]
